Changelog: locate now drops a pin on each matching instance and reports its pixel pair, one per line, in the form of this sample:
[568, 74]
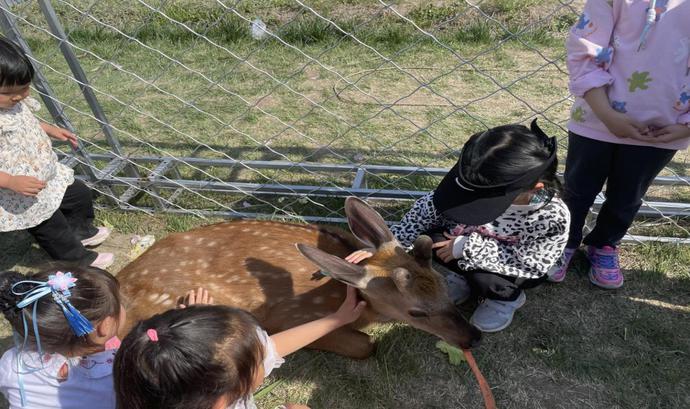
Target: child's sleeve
[589, 53]
[529, 258]
[418, 220]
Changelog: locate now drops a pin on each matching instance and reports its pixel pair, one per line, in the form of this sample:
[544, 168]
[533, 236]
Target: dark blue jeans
[627, 170]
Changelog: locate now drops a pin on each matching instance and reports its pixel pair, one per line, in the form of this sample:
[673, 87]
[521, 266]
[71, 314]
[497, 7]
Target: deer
[288, 274]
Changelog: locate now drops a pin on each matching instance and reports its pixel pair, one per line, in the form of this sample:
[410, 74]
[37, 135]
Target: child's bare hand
[624, 126]
[668, 133]
[26, 185]
[358, 256]
[60, 134]
[351, 308]
[444, 249]
[199, 297]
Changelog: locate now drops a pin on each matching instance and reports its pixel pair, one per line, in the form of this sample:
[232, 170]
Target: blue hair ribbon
[57, 286]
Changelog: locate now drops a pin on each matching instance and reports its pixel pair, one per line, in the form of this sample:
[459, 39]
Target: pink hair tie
[152, 334]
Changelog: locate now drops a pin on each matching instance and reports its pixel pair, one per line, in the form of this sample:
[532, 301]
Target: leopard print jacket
[526, 241]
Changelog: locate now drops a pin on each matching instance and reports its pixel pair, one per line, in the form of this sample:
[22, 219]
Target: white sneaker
[98, 238]
[458, 288]
[103, 261]
[495, 315]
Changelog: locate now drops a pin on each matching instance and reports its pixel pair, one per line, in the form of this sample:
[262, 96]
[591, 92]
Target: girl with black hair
[65, 325]
[210, 357]
[496, 220]
[38, 193]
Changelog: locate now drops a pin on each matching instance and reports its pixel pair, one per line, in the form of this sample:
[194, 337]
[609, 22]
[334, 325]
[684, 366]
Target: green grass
[571, 346]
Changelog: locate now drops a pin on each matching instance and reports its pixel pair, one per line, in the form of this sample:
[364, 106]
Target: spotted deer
[289, 274]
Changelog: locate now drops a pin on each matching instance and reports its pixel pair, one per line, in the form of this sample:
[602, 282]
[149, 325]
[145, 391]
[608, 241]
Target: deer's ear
[335, 267]
[366, 224]
[421, 250]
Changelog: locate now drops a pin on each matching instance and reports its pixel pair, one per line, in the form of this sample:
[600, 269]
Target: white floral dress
[26, 150]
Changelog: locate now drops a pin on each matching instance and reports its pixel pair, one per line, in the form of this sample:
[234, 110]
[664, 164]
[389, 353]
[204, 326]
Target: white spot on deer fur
[229, 254]
[162, 298]
[255, 233]
[246, 230]
[199, 240]
[264, 248]
[187, 237]
[164, 270]
[186, 249]
[264, 234]
[318, 300]
[302, 270]
[168, 303]
[145, 272]
[152, 296]
[183, 263]
[211, 244]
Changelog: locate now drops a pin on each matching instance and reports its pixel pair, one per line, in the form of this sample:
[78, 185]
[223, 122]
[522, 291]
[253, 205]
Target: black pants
[486, 284]
[61, 234]
[628, 171]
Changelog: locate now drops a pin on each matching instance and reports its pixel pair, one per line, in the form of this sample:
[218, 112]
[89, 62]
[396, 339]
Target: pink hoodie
[651, 85]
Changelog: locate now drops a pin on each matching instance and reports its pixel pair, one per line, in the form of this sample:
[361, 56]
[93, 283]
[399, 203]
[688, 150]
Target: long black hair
[15, 67]
[199, 355]
[96, 296]
[505, 153]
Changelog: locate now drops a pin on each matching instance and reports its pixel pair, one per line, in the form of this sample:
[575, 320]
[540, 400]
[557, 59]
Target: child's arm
[60, 134]
[587, 47]
[419, 219]
[617, 123]
[24, 185]
[293, 339]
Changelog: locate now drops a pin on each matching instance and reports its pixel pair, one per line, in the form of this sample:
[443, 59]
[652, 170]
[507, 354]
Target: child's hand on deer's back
[199, 297]
[351, 308]
[358, 256]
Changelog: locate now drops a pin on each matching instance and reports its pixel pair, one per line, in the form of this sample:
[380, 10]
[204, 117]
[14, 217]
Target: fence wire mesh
[281, 108]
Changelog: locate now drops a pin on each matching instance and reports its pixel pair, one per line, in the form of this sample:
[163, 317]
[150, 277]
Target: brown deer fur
[256, 265]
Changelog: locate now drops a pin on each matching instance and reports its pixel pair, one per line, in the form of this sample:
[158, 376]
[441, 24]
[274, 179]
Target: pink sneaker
[103, 261]
[557, 273]
[98, 238]
[605, 271]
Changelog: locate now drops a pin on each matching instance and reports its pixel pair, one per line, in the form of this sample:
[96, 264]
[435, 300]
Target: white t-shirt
[89, 383]
[271, 361]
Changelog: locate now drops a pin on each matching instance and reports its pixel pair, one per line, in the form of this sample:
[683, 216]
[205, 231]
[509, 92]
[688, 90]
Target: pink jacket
[651, 84]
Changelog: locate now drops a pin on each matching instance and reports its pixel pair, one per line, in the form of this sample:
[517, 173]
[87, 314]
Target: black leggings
[627, 170]
[61, 234]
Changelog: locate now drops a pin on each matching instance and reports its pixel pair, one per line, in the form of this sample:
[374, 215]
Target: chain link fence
[278, 108]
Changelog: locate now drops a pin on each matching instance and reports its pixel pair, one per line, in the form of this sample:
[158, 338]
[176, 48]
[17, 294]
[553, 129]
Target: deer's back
[252, 265]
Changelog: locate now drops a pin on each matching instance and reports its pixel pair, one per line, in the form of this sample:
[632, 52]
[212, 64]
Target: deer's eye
[416, 313]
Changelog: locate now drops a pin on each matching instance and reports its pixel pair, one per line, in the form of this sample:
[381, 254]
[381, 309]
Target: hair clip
[152, 334]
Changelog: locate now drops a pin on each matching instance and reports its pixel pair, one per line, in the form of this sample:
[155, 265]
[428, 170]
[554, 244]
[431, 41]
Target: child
[209, 357]
[65, 328]
[495, 219]
[37, 193]
[629, 68]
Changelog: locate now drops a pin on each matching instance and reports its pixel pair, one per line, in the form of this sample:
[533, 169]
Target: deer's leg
[347, 342]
